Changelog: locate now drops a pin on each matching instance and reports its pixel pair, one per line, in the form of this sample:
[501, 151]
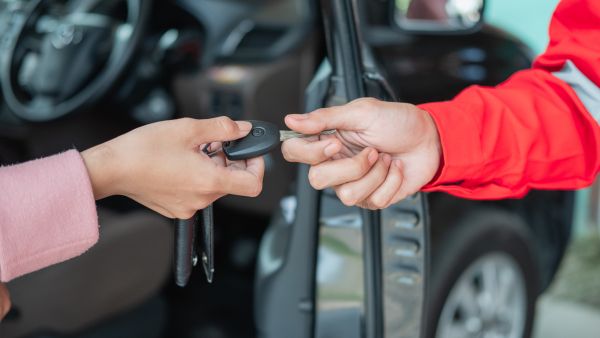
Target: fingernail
[298, 117]
[373, 155]
[398, 164]
[244, 125]
[331, 149]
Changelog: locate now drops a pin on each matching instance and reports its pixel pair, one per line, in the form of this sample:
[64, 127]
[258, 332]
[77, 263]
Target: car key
[207, 241]
[185, 252]
[263, 138]
[186, 256]
[186, 246]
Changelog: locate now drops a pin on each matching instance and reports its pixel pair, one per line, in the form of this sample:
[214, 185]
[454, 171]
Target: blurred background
[571, 306]
[77, 73]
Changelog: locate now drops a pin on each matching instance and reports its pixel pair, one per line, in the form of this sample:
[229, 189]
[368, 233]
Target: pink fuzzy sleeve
[47, 213]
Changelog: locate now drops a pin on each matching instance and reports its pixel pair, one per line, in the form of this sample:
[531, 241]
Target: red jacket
[537, 130]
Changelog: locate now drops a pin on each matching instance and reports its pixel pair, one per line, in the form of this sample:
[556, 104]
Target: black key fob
[263, 138]
[185, 253]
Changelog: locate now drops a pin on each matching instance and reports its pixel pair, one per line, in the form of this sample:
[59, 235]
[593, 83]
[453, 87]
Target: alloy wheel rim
[488, 300]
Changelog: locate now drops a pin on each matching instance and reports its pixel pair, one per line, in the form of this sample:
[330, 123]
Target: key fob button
[263, 138]
[258, 131]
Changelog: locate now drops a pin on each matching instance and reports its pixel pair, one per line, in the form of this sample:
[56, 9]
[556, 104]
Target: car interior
[75, 73]
[250, 62]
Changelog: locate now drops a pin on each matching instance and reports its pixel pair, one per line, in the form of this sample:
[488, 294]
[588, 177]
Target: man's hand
[4, 301]
[161, 166]
[382, 152]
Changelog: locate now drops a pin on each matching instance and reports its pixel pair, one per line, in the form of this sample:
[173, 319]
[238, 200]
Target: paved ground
[557, 318]
[571, 307]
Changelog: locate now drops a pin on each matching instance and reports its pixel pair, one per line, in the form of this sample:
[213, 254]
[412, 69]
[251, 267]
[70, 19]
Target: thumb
[346, 117]
[219, 129]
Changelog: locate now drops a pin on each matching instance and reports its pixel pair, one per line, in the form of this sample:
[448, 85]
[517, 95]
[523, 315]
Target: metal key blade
[289, 134]
[207, 247]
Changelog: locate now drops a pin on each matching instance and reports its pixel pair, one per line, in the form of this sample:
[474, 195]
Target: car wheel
[485, 279]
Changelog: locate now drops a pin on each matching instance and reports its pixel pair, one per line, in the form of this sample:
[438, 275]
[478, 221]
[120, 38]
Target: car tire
[484, 249]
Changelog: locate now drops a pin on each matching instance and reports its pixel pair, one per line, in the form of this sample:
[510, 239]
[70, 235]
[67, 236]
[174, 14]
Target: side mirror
[438, 16]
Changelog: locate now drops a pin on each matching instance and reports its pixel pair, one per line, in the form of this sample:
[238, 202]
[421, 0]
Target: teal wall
[526, 19]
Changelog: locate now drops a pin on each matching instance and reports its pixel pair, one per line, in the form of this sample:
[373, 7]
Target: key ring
[209, 153]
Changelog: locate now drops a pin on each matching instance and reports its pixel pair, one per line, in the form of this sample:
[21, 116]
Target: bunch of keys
[263, 137]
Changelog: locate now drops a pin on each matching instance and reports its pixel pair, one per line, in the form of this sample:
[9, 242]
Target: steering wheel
[59, 57]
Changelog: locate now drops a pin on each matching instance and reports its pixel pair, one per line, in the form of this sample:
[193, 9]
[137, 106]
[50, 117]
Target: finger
[357, 191]
[219, 159]
[213, 147]
[216, 154]
[217, 129]
[310, 152]
[236, 165]
[336, 172]
[364, 205]
[383, 195]
[403, 192]
[347, 117]
[400, 195]
[256, 166]
[242, 182]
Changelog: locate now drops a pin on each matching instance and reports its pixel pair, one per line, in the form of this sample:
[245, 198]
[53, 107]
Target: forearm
[538, 129]
[532, 132]
[47, 206]
[47, 213]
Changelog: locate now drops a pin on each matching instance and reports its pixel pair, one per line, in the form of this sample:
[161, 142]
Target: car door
[394, 244]
[327, 270]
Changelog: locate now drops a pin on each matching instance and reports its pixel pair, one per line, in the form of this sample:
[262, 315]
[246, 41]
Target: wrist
[431, 139]
[102, 166]
[431, 144]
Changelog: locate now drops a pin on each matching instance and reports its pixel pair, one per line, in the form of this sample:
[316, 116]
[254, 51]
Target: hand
[405, 137]
[161, 166]
[4, 301]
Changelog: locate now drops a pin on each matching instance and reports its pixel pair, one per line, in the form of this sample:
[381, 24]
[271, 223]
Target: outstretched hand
[382, 151]
[161, 166]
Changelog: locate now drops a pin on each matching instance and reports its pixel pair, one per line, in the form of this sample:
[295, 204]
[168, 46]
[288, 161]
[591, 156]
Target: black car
[294, 262]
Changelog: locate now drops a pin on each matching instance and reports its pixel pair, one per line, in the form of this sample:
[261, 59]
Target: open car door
[328, 270]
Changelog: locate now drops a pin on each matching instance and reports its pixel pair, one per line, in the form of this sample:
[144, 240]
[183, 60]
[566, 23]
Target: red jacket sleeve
[533, 131]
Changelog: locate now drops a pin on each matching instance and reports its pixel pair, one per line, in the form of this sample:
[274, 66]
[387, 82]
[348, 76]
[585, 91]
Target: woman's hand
[382, 151]
[4, 301]
[161, 166]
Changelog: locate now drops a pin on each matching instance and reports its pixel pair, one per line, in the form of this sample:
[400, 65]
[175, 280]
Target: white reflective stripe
[587, 91]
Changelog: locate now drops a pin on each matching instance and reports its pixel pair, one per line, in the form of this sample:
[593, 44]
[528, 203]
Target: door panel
[327, 270]
[394, 241]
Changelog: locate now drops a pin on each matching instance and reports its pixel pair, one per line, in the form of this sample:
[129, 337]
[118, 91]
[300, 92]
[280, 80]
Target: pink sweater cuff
[47, 213]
